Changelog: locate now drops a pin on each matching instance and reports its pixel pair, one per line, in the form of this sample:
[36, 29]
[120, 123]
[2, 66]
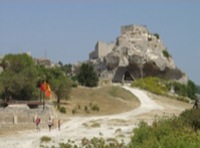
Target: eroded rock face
[112, 61]
[141, 53]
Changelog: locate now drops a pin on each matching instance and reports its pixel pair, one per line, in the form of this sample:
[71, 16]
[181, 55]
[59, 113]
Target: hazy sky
[69, 29]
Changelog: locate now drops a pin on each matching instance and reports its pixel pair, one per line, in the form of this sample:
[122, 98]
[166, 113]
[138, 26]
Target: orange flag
[46, 89]
[42, 87]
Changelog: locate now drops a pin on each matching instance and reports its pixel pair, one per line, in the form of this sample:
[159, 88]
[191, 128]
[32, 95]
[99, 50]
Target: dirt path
[113, 126]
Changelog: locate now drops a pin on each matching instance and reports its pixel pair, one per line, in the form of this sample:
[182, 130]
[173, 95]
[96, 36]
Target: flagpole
[40, 96]
[43, 101]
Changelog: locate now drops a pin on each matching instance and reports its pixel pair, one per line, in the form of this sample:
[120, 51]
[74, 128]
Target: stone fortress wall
[101, 50]
[21, 113]
[133, 28]
[139, 33]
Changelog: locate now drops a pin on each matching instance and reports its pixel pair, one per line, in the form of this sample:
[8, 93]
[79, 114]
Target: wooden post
[14, 119]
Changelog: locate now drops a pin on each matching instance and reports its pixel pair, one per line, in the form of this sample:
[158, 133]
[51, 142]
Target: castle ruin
[101, 50]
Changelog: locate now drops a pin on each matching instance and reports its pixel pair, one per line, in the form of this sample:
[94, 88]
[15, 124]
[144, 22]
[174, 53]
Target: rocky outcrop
[140, 53]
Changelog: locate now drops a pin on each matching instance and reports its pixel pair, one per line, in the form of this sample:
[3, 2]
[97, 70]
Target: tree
[188, 90]
[87, 76]
[18, 80]
[191, 89]
[67, 68]
[61, 87]
[58, 81]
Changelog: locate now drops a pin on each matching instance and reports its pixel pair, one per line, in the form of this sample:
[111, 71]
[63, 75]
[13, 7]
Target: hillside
[103, 98]
[116, 126]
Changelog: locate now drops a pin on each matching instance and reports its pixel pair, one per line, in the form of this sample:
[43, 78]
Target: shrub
[45, 139]
[166, 53]
[165, 132]
[94, 107]
[74, 84]
[95, 143]
[87, 76]
[74, 111]
[86, 109]
[67, 145]
[152, 84]
[95, 125]
[191, 117]
[161, 87]
[141, 134]
[79, 106]
[157, 35]
[188, 90]
[62, 109]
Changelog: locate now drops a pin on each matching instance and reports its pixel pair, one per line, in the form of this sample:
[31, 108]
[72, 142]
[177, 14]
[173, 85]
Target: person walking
[196, 103]
[37, 122]
[50, 123]
[59, 124]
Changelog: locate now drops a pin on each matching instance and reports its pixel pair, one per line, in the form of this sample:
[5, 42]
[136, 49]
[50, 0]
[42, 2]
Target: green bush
[188, 90]
[166, 53]
[74, 111]
[62, 109]
[94, 143]
[192, 118]
[165, 133]
[45, 139]
[162, 87]
[86, 109]
[87, 76]
[152, 84]
[157, 35]
[141, 134]
[94, 107]
[67, 145]
[74, 84]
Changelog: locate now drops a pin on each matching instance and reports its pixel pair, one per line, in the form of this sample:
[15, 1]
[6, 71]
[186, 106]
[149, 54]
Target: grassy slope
[110, 100]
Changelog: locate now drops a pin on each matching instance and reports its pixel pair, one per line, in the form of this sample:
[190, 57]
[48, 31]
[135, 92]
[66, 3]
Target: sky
[68, 30]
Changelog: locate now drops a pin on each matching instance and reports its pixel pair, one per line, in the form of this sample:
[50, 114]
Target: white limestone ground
[117, 126]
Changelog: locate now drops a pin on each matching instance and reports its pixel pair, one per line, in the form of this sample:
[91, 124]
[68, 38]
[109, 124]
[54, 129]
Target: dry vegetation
[109, 100]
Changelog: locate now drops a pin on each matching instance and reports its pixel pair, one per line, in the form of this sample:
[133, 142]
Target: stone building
[101, 50]
[133, 29]
[43, 61]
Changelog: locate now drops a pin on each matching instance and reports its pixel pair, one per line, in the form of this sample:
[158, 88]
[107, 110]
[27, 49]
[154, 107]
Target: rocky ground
[118, 126]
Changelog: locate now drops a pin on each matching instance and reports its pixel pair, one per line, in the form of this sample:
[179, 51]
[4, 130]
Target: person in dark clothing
[50, 121]
[196, 103]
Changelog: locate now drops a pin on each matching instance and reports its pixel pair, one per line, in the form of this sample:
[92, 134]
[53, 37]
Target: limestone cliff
[136, 53]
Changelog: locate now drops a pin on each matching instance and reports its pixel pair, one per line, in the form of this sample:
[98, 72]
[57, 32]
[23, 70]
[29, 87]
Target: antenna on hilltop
[45, 54]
